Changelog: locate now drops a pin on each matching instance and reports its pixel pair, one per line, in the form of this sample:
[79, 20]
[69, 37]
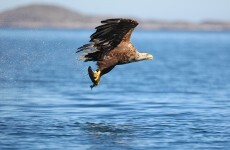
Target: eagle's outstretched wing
[107, 37]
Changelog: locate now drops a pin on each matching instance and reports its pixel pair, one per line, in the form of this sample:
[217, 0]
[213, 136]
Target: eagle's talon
[94, 76]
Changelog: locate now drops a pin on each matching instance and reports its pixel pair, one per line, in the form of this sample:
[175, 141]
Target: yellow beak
[149, 56]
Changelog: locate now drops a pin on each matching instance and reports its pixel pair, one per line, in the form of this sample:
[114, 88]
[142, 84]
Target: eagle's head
[143, 56]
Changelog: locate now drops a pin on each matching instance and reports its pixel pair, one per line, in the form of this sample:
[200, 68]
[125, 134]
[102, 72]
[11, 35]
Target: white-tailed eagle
[109, 46]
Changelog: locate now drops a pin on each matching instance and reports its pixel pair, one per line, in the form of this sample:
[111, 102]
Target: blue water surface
[180, 100]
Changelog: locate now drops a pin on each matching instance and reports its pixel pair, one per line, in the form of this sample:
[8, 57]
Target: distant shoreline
[91, 29]
[56, 17]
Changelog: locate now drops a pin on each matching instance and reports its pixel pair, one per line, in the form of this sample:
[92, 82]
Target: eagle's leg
[94, 76]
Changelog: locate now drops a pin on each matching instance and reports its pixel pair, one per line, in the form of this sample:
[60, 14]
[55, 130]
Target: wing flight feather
[110, 34]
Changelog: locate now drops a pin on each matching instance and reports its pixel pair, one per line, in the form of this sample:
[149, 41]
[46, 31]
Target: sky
[167, 10]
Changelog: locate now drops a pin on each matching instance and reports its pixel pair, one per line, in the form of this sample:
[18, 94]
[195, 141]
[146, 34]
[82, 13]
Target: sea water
[180, 100]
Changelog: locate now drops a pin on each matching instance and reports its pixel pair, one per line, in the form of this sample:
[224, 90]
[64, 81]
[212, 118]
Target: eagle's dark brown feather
[110, 45]
[107, 37]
